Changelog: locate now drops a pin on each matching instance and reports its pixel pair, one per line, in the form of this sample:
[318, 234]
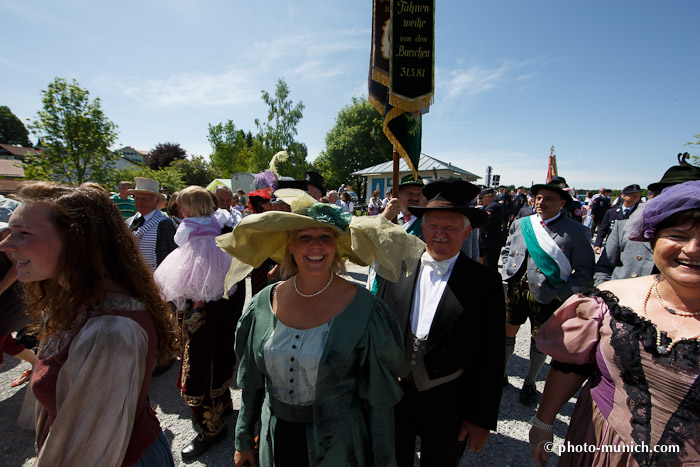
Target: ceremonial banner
[401, 80]
[412, 54]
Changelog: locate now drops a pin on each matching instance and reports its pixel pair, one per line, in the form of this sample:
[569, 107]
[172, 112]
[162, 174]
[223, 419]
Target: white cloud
[192, 88]
[478, 79]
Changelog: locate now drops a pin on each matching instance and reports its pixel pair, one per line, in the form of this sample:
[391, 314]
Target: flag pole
[395, 175]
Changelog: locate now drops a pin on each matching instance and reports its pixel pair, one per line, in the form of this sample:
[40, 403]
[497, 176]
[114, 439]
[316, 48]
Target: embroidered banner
[401, 77]
[412, 54]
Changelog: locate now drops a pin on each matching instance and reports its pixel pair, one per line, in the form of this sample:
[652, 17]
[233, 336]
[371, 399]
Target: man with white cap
[154, 231]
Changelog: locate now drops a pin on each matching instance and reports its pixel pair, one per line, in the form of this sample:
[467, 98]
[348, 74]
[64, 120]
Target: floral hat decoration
[363, 240]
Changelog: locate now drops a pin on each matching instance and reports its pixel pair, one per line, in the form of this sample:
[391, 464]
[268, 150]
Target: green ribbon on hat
[329, 214]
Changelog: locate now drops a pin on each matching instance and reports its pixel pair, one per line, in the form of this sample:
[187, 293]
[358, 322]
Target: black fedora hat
[555, 185]
[677, 174]
[451, 194]
[315, 179]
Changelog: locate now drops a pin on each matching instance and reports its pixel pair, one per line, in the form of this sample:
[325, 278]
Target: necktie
[440, 267]
[407, 219]
[625, 213]
[138, 222]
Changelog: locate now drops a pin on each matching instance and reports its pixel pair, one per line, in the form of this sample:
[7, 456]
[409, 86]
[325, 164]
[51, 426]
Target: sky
[613, 85]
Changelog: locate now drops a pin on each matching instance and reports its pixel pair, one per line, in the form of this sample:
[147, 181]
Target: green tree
[75, 134]
[231, 149]
[196, 171]
[355, 142]
[12, 130]
[278, 133]
[172, 176]
[695, 158]
[164, 154]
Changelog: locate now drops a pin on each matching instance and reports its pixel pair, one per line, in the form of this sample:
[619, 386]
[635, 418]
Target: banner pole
[395, 176]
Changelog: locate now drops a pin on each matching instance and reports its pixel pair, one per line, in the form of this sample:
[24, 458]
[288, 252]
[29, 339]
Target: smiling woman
[318, 355]
[639, 340]
[102, 325]
[35, 246]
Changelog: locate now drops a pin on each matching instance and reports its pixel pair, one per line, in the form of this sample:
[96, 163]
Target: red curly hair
[97, 249]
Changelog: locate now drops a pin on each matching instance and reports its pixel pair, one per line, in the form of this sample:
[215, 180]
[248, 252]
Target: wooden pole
[395, 179]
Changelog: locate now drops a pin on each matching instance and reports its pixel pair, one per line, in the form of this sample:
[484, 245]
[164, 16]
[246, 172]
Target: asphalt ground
[508, 446]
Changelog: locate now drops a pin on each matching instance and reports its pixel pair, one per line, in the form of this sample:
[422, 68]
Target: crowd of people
[118, 288]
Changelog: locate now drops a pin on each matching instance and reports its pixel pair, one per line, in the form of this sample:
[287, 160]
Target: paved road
[507, 447]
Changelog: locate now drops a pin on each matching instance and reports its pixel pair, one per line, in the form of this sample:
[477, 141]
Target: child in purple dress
[196, 270]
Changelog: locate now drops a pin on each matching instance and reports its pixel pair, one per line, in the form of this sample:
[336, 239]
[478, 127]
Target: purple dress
[197, 268]
[636, 395]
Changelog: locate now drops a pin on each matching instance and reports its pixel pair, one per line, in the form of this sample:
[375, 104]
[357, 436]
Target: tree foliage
[237, 151]
[695, 158]
[75, 135]
[12, 130]
[231, 149]
[164, 154]
[278, 133]
[355, 142]
[196, 171]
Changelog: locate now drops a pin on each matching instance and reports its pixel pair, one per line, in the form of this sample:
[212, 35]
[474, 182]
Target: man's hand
[477, 436]
[392, 209]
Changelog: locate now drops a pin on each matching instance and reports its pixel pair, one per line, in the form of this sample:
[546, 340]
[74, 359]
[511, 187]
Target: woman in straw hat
[638, 339]
[319, 356]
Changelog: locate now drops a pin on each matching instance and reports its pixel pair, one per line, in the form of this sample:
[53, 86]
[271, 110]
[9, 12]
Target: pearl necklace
[313, 294]
[685, 314]
[662, 350]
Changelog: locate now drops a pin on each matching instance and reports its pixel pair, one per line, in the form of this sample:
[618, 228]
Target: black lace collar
[685, 354]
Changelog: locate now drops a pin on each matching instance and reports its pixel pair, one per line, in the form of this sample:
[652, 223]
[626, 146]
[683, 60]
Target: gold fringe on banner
[411, 105]
[380, 76]
[393, 113]
[379, 105]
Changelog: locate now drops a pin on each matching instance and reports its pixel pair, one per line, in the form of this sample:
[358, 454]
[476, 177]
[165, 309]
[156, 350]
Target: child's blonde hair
[197, 200]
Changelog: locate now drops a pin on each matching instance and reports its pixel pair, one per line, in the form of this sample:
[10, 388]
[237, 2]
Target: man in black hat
[491, 236]
[410, 194]
[546, 257]
[450, 310]
[631, 194]
[315, 183]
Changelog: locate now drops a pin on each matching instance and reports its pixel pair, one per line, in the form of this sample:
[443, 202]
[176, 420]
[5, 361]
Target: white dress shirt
[431, 285]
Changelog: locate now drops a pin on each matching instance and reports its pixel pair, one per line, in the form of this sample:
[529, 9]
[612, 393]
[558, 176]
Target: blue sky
[612, 85]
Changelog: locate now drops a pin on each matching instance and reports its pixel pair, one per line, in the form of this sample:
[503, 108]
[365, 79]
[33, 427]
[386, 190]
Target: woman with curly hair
[102, 325]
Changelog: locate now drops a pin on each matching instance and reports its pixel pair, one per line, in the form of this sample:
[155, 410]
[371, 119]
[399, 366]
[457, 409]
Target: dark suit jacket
[165, 239]
[467, 332]
[611, 216]
[491, 232]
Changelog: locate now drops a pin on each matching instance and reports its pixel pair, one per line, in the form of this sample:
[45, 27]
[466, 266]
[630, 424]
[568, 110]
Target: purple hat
[676, 198]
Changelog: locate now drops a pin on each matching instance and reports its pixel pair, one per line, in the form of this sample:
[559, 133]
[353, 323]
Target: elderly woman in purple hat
[637, 342]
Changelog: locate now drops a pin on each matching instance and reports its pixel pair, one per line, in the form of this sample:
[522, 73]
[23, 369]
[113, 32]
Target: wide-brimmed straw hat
[364, 240]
